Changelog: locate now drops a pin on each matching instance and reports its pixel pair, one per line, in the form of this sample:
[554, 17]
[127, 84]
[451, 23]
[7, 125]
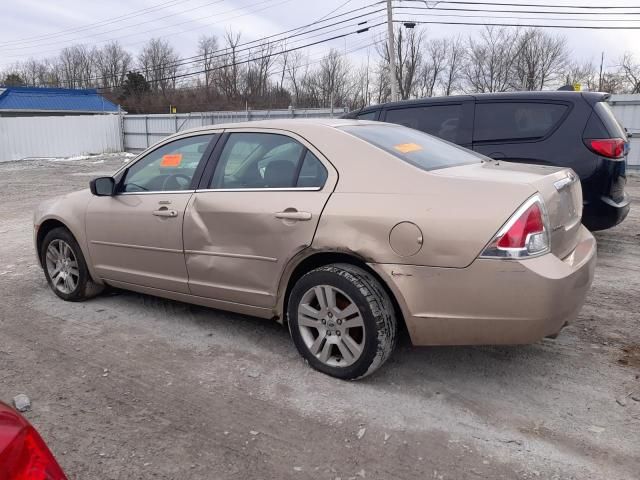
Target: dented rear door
[240, 231]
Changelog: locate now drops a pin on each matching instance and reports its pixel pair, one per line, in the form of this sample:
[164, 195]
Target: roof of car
[538, 95]
[284, 124]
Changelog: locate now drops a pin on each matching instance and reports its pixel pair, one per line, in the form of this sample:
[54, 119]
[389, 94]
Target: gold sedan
[342, 229]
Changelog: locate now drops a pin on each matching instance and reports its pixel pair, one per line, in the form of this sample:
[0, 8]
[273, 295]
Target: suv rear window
[443, 121]
[515, 120]
[414, 147]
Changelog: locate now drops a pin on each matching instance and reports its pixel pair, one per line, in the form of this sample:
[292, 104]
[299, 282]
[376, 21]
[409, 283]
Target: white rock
[297, 469]
[361, 473]
[22, 402]
[386, 437]
[361, 433]
[254, 432]
[595, 429]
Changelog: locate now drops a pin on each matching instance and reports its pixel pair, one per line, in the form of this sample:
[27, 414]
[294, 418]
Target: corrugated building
[32, 102]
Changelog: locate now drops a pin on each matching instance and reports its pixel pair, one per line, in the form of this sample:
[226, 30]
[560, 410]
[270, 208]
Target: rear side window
[609, 120]
[368, 116]
[515, 120]
[414, 147]
[443, 121]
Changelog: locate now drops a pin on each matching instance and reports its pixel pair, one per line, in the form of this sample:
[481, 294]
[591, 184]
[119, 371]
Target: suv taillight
[526, 234]
[607, 147]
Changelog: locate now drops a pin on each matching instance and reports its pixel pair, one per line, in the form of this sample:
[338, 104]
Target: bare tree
[159, 64]
[228, 77]
[208, 58]
[450, 78]
[630, 72]
[408, 58]
[490, 59]
[296, 71]
[76, 67]
[582, 73]
[540, 59]
[433, 66]
[112, 64]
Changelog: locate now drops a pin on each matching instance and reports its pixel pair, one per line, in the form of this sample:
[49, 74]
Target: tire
[358, 337]
[80, 286]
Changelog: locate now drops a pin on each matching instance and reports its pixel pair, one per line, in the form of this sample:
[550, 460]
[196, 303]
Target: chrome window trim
[155, 192]
[286, 189]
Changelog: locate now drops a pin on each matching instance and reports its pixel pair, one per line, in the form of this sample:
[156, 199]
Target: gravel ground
[128, 386]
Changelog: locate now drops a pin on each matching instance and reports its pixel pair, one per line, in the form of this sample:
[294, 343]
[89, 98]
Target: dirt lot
[128, 386]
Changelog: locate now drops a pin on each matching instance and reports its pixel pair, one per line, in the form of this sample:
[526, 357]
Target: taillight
[607, 147]
[526, 234]
[28, 458]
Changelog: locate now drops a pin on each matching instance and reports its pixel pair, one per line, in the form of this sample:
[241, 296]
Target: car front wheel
[342, 321]
[65, 267]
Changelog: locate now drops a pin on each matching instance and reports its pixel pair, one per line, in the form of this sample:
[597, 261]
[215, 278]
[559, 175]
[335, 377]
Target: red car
[23, 453]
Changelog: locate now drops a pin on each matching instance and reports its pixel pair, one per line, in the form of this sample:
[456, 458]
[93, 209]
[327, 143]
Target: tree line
[226, 74]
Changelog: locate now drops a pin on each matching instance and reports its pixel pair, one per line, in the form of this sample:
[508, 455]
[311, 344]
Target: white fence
[626, 108]
[142, 131]
[34, 137]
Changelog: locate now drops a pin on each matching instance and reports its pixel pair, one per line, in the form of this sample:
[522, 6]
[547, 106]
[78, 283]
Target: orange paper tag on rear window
[408, 147]
[171, 160]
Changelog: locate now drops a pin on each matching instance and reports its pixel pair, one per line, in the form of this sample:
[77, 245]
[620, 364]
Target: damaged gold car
[343, 229]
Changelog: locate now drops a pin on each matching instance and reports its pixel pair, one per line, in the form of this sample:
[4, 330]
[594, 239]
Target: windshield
[417, 148]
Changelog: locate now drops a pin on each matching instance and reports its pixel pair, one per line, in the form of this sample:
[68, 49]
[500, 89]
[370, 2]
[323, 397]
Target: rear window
[414, 147]
[610, 122]
[443, 121]
[515, 120]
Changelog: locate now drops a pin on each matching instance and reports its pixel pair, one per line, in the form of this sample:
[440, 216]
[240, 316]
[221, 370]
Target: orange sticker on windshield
[408, 147]
[171, 160]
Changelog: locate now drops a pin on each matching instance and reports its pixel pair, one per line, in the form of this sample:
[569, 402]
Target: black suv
[567, 129]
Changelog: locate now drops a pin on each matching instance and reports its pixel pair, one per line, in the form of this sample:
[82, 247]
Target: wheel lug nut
[324, 322]
[339, 322]
[330, 314]
[338, 333]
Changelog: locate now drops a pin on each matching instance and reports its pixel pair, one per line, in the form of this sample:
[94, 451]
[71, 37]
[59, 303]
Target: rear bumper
[493, 301]
[604, 213]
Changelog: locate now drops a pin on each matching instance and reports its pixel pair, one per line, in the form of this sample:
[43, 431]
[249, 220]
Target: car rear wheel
[65, 267]
[342, 321]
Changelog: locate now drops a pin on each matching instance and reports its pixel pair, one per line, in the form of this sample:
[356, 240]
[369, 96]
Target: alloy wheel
[62, 266]
[331, 326]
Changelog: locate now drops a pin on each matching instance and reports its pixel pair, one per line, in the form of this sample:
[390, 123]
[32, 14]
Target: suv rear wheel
[342, 321]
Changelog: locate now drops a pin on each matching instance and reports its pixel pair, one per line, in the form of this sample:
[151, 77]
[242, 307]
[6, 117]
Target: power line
[552, 19]
[135, 13]
[182, 31]
[255, 44]
[607, 7]
[549, 12]
[582, 27]
[220, 67]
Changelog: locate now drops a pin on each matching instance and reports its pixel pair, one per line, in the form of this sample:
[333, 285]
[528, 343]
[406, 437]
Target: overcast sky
[183, 21]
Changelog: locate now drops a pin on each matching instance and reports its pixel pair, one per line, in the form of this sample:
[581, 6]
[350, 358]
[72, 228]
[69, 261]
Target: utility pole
[392, 52]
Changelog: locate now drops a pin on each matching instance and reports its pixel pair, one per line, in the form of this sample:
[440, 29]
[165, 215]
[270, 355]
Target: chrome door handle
[294, 215]
[164, 212]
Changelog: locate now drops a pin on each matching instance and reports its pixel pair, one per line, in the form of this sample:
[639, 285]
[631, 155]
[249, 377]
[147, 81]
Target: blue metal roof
[53, 99]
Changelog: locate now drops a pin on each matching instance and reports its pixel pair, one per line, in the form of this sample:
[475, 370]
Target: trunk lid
[559, 187]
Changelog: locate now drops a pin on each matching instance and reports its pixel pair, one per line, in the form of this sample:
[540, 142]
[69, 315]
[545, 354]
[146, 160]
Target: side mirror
[103, 186]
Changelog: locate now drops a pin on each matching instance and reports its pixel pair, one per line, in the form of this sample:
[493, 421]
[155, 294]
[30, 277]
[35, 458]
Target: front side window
[412, 146]
[266, 160]
[168, 168]
[443, 121]
[515, 120]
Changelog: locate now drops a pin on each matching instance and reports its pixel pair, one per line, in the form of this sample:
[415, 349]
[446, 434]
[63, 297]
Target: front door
[135, 236]
[261, 207]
